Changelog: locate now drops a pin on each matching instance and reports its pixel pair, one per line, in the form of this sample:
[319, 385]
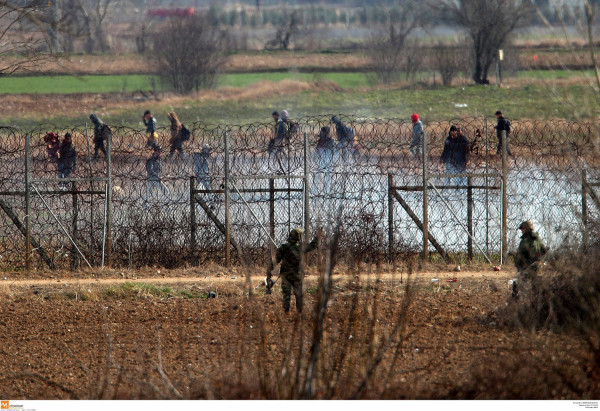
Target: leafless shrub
[189, 53]
[288, 27]
[448, 60]
[386, 48]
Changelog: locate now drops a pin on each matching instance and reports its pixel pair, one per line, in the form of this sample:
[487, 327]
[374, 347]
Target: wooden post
[272, 216]
[27, 203]
[192, 223]
[470, 218]
[584, 209]
[390, 218]
[504, 196]
[425, 201]
[227, 215]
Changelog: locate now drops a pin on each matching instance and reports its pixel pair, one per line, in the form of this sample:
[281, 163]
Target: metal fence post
[504, 195]
[487, 191]
[109, 260]
[272, 215]
[27, 202]
[425, 201]
[306, 191]
[227, 216]
[74, 223]
[192, 223]
[390, 218]
[470, 218]
[584, 209]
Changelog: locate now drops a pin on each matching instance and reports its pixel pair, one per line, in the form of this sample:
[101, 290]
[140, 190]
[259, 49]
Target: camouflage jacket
[530, 251]
[289, 255]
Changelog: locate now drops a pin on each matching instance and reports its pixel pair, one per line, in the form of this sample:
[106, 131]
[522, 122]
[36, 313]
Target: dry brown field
[84, 336]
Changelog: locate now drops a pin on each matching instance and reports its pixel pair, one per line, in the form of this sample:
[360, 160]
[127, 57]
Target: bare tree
[590, 14]
[287, 28]
[189, 53]
[84, 19]
[488, 23]
[24, 39]
[386, 47]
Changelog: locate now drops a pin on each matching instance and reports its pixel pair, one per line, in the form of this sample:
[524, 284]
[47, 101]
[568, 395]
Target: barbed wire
[152, 217]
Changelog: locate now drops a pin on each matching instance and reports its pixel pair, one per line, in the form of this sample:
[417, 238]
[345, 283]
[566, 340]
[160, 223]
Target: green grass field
[137, 82]
[74, 84]
[529, 102]
[538, 100]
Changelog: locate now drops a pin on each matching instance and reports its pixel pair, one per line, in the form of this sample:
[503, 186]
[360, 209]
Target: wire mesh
[152, 224]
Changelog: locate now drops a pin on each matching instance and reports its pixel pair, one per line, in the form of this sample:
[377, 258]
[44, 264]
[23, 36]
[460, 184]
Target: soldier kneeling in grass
[289, 254]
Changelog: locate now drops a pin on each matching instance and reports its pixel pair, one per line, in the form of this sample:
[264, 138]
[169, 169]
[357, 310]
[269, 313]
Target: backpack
[185, 133]
[105, 131]
[294, 127]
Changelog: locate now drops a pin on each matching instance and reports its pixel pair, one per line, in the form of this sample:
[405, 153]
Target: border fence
[236, 200]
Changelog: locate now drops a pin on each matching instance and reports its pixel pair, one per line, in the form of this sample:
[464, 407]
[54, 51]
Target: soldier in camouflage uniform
[289, 256]
[528, 256]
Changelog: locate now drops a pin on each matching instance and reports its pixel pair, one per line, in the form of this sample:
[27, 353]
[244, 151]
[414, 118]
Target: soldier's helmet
[526, 225]
[296, 234]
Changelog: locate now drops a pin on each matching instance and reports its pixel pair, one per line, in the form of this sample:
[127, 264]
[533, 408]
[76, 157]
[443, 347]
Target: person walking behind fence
[276, 144]
[345, 137]
[101, 133]
[292, 128]
[202, 167]
[52, 145]
[289, 254]
[324, 157]
[416, 146]
[502, 129]
[150, 123]
[67, 160]
[455, 155]
[154, 171]
[528, 259]
[179, 134]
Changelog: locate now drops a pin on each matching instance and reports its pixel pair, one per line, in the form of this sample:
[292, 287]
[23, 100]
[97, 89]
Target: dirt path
[232, 279]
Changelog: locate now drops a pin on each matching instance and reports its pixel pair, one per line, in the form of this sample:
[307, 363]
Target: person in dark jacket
[151, 134]
[455, 155]
[101, 133]
[502, 129]
[154, 172]
[67, 160]
[345, 135]
[176, 141]
[276, 148]
[289, 254]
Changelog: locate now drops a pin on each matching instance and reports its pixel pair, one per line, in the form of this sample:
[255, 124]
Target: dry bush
[565, 300]
[449, 60]
[189, 53]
